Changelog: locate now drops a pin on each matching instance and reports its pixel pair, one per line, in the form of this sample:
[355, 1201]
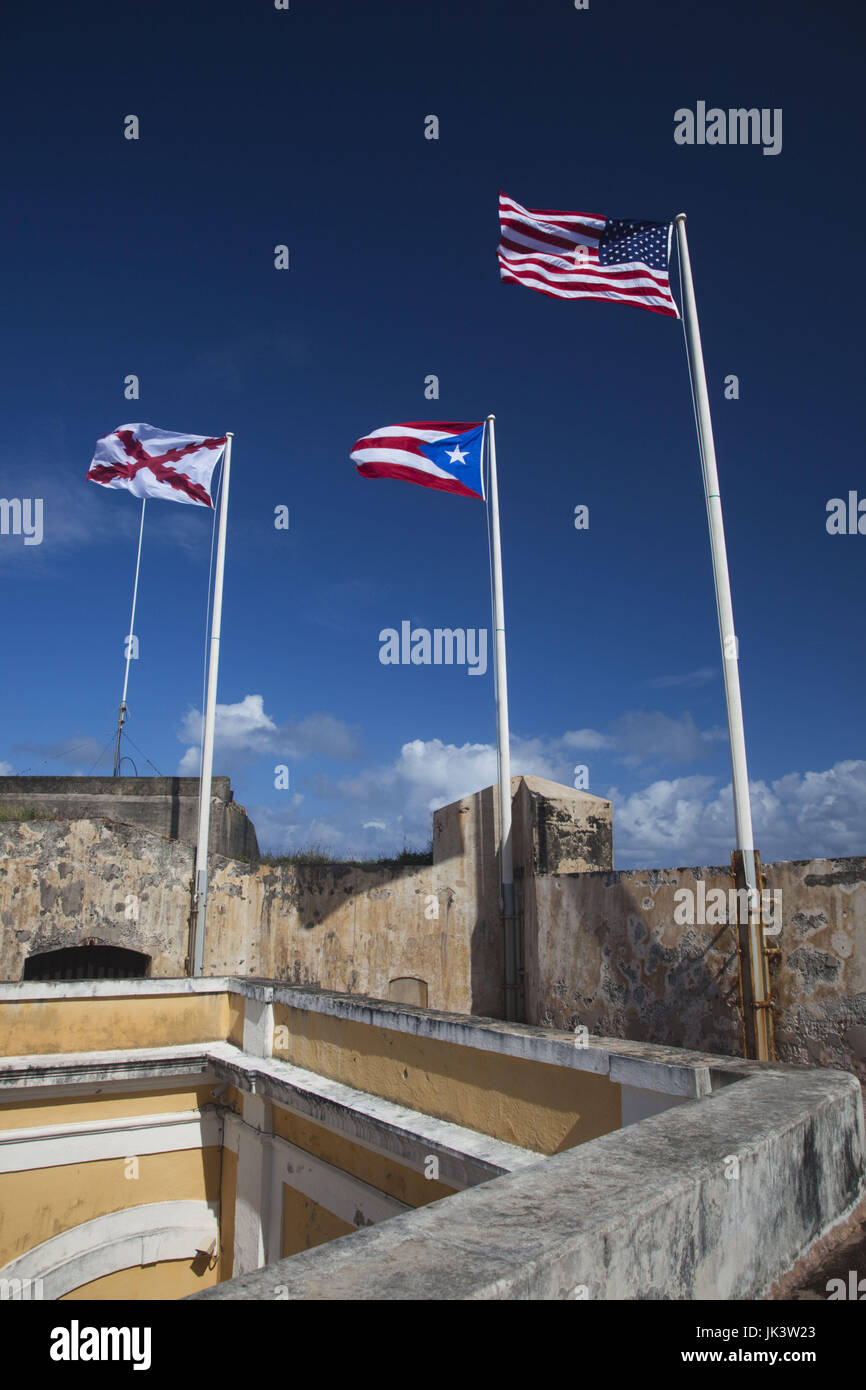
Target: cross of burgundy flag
[151, 462]
[574, 255]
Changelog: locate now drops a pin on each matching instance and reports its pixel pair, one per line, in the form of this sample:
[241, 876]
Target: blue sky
[306, 127]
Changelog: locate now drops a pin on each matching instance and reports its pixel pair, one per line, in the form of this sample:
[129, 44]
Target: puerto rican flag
[152, 462]
[437, 454]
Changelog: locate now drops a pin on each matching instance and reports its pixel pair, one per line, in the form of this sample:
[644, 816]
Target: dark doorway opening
[87, 963]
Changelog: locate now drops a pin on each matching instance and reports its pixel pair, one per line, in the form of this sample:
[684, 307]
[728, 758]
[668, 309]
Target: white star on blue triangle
[459, 455]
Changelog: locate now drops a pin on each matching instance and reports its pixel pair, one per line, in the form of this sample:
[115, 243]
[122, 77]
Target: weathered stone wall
[65, 883]
[819, 980]
[611, 956]
[339, 926]
[644, 1213]
[166, 805]
[554, 829]
[435, 928]
[600, 948]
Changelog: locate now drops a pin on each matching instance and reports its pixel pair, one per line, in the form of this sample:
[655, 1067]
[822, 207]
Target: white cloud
[660, 820]
[428, 774]
[244, 731]
[637, 737]
[701, 676]
[5, 769]
[648, 736]
[684, 820]
[799, 816]
[589, 739]
[278, 831]
[236, 725]
[398, 798]
[669, 822]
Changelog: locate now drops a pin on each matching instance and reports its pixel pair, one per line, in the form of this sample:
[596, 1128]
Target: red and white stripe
[395, 452]
[557, 254]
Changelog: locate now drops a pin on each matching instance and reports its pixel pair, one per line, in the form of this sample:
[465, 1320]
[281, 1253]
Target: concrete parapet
[166, 805]
[659, 1210]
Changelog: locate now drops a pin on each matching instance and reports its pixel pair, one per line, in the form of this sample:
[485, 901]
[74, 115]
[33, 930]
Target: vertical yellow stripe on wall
[306, 1224]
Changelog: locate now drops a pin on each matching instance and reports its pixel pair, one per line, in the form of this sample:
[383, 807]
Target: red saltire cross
[158, 465]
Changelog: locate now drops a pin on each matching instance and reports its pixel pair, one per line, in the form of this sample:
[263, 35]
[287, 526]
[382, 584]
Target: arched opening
[408, 989]
[129, 1239]
[91, 962]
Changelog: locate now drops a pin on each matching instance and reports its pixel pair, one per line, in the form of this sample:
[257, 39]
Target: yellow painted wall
[67, 1110]
[376, 1169]
[236, 1019]
[533, 1104]
[38, 1204]
[105, 1024]
[306, 1224]
[168, 1279]
[228, 1190]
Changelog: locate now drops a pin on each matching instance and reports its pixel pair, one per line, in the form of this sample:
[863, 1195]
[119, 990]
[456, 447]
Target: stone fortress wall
[602, 949]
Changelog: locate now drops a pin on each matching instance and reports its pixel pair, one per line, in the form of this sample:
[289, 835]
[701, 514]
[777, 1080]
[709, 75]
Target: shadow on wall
[618, 953]
[612, 958]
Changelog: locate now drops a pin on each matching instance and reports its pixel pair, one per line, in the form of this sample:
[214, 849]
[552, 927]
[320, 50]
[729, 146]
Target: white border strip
[356, 1202]
[55, 1146]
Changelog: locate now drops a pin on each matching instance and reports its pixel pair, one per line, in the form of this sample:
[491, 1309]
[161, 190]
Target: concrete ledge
[466, 1157]
[669, 1070]
[45, 1071]
[672, 1070]
[29, 991]
[650, 1212]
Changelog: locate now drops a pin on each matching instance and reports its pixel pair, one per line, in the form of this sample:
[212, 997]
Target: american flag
[573, 255]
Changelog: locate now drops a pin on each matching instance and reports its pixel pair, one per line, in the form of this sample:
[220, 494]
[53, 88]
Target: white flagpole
[200, 905]
[121, 718]
[730, 655]
[510, 936]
